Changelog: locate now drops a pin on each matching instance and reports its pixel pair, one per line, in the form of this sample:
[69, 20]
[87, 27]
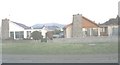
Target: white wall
[68, 32]
[44, 33]
[15, 27]
[40, 30]
[110, 29]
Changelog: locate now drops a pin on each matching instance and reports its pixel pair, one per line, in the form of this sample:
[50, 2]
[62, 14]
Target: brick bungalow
[81, 26]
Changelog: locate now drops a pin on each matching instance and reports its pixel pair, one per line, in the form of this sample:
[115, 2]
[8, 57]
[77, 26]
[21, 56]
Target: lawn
[36, 47]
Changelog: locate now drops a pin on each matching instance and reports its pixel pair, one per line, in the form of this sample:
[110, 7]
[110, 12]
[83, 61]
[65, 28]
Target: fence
[86, 39]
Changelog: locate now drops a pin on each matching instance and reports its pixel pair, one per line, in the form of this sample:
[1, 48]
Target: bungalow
[16, 30]
[110, 27]
[81, 26]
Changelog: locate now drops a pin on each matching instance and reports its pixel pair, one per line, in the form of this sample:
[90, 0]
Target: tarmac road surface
[95, 58]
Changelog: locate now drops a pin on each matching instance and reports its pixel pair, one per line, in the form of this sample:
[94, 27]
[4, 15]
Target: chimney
[5, 28]
[77, 26]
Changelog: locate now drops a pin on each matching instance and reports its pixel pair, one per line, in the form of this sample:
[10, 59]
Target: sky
[30, 12]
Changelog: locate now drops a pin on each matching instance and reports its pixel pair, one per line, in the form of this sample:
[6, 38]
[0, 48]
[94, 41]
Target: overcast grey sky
[30, 12]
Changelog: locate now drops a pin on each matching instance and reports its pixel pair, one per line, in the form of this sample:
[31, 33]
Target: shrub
[36, 35]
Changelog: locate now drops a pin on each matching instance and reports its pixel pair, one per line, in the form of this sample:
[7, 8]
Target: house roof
[85, 19]
[90, 21]
[112, 21]
[38, 27]
[47, 27]
[51, 27]
[21, 25]
[102, 25]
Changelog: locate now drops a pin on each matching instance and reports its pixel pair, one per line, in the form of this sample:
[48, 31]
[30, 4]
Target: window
[84, 29]
[19, 34]
[114, 31]
[102, 29]
[11, 34]
[28, 34]
[106, 29]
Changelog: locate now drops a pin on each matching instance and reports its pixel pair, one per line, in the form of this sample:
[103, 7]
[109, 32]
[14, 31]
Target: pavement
[89, 58]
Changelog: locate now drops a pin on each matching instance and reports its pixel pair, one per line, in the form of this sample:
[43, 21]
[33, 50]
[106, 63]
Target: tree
[49, 34]
[56, 31]
[36, 35]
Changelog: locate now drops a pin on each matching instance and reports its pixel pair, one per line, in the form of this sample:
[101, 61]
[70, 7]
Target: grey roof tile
[22, 25]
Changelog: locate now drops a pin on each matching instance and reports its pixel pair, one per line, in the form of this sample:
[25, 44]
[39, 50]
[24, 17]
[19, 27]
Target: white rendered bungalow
[16, 30]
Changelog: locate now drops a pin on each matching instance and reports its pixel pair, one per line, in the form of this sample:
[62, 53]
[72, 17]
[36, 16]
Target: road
[89, 58]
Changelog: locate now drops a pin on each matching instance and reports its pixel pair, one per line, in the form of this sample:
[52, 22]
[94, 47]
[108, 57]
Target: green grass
[33, 47]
